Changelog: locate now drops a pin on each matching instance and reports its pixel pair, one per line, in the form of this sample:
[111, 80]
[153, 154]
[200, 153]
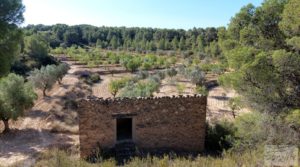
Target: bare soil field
[51, 123]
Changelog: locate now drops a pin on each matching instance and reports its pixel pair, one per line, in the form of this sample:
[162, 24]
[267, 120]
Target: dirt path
[31, 134]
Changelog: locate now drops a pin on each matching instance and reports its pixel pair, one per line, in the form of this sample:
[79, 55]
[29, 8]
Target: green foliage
[35, 55]
[294, 43]
[201, 90]
[180, 88]
[143, 88]
[61, 70]
[11, 16]
[172, 72]
[235, 104]
[270, 81]
[113, 58]
[249, 130]
[115, 85]
[239, 56]
[215, 68]
[142, 74]
[131, 63]
[240, 20]
[219, 137]
[36, 47]
[197, 76]
[290, 23]
[294, 118]
[15, 97]
[9, 49]
[44, 78]
[93, 78]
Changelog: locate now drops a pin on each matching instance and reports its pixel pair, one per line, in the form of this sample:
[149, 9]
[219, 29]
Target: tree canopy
[11, 15]
[15, 97]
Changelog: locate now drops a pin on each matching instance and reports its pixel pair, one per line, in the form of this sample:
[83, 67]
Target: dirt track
[31, 134]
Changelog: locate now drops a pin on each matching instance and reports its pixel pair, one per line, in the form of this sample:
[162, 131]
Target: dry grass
[56, 158]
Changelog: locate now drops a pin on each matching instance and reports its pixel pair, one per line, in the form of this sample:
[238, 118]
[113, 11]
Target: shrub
[161, 74]
[180, 88]
[249, 130]
[220, 136]
[115, 85]
[293, 117]
[95, 78]
[113, 58]
[142, 74]
[201, 90]
[172, 72]
[197, 76]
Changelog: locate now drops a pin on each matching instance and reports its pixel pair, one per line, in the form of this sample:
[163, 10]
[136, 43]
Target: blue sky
[135, 13]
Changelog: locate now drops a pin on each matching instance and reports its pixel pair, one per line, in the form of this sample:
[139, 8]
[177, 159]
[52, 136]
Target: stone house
[174, 123]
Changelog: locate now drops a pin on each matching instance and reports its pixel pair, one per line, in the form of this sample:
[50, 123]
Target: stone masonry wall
[168, 122]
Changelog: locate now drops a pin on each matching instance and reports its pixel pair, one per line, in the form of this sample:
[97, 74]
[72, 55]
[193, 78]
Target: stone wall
[168, 122]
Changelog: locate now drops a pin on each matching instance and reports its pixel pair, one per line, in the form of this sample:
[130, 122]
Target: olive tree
[16, 96]
[197, 76]
[44, 78]
[61, 70]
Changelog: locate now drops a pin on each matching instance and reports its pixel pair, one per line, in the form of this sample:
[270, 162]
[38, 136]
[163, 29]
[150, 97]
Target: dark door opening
[124, 129]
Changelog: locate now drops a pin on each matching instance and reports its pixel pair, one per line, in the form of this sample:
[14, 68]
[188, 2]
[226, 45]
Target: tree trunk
[233, 114]
[44, 92]
[6, 126]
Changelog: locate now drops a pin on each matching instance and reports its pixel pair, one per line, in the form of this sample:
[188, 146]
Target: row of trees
[16, 95]
[127, 38]
[145, 84]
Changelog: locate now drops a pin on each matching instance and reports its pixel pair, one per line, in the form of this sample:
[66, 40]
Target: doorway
[124, 129]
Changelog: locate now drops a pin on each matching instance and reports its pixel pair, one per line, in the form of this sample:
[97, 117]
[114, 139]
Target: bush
[197, 76]
[95, 78]
[161, 74]
[201, 90]
[90, 78]
[219, 137]
[172, 72]
[115, 85]
[142, 74]
[180, 88]
[293, 118]
[249, 130]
